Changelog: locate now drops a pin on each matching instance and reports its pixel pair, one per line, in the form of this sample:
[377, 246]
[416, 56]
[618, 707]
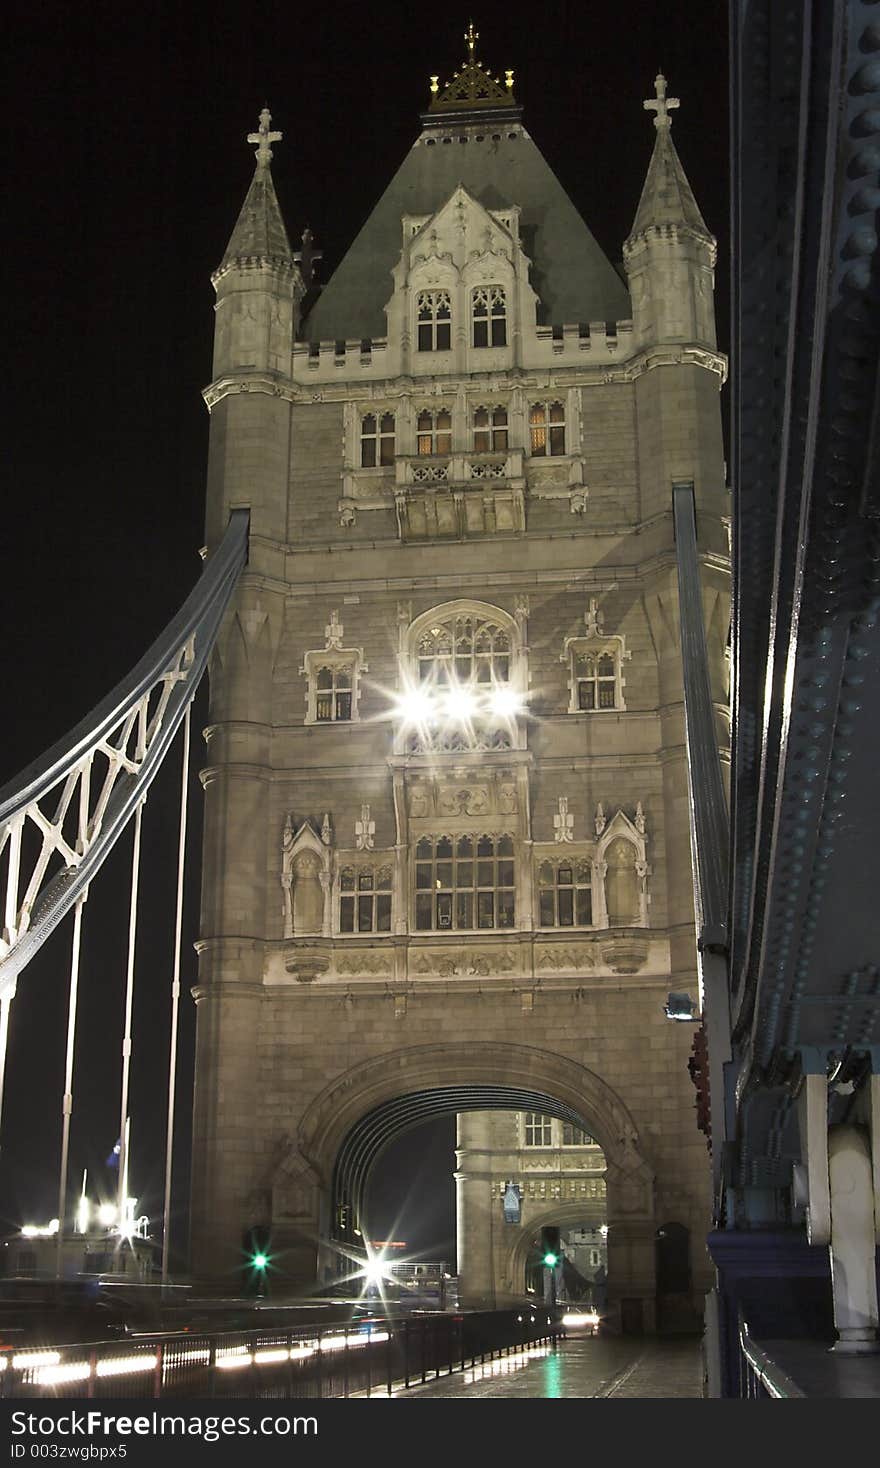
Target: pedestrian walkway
[592, 1366]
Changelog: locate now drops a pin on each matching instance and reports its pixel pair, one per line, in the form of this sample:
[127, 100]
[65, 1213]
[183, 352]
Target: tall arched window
[434, 321]
[596, 678]
[489, 311]
[464, 649]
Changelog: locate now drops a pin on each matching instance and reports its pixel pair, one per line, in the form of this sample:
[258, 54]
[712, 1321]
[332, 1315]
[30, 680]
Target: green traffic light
[551, 1260]
[260, 1261]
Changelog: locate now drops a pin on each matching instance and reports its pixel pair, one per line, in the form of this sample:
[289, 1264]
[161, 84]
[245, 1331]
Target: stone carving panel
[464, 964]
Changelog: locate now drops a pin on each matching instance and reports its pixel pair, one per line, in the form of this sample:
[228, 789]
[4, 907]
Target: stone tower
[446, 851]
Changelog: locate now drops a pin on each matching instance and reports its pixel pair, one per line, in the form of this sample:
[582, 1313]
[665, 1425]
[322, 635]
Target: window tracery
[434, 321]
[489, 316]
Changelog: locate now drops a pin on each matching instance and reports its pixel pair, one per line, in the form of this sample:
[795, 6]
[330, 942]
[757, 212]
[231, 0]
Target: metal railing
[759, 1374]
[363, 1358]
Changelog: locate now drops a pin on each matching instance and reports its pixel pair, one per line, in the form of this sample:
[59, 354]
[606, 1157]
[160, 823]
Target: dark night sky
[126, 166]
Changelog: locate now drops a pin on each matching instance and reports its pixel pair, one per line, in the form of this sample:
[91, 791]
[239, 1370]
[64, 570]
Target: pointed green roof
[501, 167]
[667, 197]
[259, 231]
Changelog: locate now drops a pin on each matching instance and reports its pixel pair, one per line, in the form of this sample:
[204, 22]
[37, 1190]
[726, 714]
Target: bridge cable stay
[61, 817]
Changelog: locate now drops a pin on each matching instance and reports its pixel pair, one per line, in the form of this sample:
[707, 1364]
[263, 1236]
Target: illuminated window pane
[546, 440]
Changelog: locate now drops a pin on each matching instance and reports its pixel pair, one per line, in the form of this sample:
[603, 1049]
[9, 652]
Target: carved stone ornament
[473, 800]
[352, 963]
[625, 955]
[576, 956]
[600, 819]
[465, 964]
[563, 822]
[364, 830]
[306, 961]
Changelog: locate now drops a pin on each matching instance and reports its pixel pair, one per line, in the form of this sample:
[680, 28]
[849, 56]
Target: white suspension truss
[60, 818]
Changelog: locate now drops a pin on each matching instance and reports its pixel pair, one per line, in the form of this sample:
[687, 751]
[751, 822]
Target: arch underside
[374, 1133]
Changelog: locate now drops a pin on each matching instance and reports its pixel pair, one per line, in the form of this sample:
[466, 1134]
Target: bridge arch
[400, 1089]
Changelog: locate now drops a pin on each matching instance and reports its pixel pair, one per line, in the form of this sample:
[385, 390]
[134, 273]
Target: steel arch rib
[34, 901]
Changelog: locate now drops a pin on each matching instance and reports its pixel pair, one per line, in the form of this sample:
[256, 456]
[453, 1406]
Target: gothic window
[490, 430]
[489, 312]
[464, 882]
[365, 900]
[596, 676]
[537, 1130]
[377, 440]
[575, 1136]
[547, 429]
[333, 673]
[333, 688]
[565, 896]
[434, 321]
[464, 649]
[434, 432]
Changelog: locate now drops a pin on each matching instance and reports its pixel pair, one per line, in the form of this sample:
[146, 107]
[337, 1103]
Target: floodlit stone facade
[446, 813]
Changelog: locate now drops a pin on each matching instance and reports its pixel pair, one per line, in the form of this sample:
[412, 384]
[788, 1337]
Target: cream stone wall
[303, 1032]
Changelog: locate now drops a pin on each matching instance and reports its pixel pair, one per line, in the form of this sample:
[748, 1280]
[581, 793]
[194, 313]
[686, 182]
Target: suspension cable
[175, 998]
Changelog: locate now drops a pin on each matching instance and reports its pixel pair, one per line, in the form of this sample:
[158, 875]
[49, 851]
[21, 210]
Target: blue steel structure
[796, 982]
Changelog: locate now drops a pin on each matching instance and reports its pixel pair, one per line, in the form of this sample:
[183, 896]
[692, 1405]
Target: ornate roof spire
[265, 137]
[472, 87]
[667, 197]
[259, 233]
[661, 104]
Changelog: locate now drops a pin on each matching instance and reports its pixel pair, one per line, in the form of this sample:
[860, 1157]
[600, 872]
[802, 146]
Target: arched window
[464, 649]
[464, 882]
[434, 432]
[434, 321]
[489, 314]
[490, 430]
[595, 676]
[333, 693]
[547, 429]
[565, 894]
[377, 440]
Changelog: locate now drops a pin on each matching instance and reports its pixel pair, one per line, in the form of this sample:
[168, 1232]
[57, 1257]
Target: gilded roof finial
[661, 104]
[473, 86]
[264, 138]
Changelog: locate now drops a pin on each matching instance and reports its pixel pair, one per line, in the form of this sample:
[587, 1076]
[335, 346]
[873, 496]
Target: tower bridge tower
[446, 848]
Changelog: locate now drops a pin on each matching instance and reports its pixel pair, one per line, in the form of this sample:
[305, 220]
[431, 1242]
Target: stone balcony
[449, 497]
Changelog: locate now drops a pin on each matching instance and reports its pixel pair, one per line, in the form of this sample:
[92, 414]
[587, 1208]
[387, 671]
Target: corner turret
[669, 255]
[259, 284]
